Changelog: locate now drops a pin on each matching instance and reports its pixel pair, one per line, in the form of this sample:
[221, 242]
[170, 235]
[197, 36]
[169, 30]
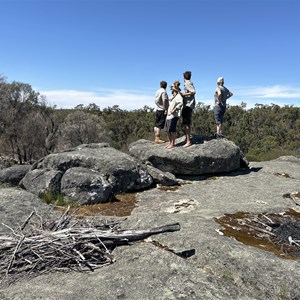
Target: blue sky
[115, 52]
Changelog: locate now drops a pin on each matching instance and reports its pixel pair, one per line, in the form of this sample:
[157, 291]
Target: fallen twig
[259, 229]
[14, 254]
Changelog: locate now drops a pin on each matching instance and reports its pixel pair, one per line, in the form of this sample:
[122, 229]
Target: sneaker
[159, 141]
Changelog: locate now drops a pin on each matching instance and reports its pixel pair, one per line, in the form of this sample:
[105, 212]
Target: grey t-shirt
[224, 95]
[189, 100]
[161, 96]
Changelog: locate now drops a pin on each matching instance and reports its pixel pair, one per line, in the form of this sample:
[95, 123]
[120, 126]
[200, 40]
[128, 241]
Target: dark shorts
[160, 119]
[171, 124]
[219, 111]
[187, 115]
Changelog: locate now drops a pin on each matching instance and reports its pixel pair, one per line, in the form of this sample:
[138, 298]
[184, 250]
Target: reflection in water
[279, 233]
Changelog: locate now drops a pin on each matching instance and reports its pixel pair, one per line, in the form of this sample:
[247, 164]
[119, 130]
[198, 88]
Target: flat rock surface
[219, 267]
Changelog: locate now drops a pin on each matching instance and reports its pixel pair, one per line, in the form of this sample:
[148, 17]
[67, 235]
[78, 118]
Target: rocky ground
[216, 266]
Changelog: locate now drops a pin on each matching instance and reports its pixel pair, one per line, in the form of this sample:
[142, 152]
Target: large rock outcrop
[93, 173]
[203, 157]
[89, 173]
[216, 267]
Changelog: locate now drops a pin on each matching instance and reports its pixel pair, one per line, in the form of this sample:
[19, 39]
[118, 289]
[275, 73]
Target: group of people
[169, 110]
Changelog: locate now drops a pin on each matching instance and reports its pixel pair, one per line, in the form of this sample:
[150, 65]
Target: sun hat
[175, 88]
[177, 84]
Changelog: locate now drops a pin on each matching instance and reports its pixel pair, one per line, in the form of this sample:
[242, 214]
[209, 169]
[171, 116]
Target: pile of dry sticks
[63, 245]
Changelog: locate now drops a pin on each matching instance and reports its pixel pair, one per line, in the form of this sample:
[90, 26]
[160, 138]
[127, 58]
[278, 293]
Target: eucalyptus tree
[23, 127]
[81, 127]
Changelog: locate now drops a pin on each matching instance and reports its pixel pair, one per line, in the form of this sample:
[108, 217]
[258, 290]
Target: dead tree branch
[64, 246]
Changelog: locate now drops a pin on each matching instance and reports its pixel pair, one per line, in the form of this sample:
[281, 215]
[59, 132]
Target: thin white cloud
[130, 100]
[124, 99]
[277, 91]
[278, 94]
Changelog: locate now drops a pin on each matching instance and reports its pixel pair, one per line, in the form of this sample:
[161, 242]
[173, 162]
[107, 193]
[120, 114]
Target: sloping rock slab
[16, 205]
[208, 157]
[163, 178]
[123, 172]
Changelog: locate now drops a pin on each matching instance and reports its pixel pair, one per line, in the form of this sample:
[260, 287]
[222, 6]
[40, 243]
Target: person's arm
[229, 94]
[190, 90]
[189, 94]
[178, 105]
[219, 96]
[165, 102]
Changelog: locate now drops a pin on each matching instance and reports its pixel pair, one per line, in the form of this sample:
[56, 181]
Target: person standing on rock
[162, 103]
[221, 95]
[189, 104]
[173, 115]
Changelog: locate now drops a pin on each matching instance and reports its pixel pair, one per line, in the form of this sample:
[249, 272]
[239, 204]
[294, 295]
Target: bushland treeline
[31, 129]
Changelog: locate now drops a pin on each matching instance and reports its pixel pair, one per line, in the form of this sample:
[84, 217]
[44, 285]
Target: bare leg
[187, 131]
[219, 133]
[219, 129]
[157, 135]
[172, 140]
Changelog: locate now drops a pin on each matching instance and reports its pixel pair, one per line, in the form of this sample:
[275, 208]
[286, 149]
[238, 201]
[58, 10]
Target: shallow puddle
[122, 206]
[279, 233]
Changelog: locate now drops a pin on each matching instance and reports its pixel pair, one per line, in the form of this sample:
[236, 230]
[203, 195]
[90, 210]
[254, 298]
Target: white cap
[220, 79]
